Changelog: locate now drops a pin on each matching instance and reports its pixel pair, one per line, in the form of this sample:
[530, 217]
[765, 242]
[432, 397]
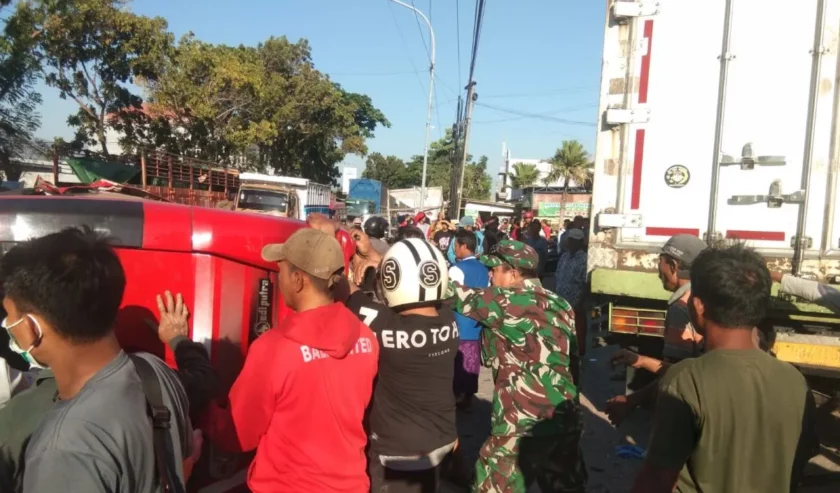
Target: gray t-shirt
[101, 440]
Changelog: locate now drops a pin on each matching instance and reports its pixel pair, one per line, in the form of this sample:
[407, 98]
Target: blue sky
[535, 56]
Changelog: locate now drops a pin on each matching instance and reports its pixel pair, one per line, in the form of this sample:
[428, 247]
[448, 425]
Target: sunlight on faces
[290, 283]
[668, 273]
[504, 276]
[696, 311]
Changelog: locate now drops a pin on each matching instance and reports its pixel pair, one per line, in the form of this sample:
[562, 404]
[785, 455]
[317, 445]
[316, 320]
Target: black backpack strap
[160, 418]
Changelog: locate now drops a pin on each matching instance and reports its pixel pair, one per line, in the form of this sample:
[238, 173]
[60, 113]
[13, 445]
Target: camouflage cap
[515, 253]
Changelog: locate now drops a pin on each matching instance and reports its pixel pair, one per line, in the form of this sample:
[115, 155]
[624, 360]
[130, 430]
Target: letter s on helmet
[412, 273]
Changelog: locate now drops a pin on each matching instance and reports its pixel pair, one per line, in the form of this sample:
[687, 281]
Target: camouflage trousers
[550, 464]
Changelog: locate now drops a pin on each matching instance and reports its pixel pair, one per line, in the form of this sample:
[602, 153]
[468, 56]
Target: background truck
[407, 201]
[283, 196]
[367, 198]
[716, 125]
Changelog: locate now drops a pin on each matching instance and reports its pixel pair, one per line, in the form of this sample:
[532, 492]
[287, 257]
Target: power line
[447, 86]
[437, 111]
[569, 90]
[420, 30]
[547, 113]
[458, 37]
[536, 116]
[479, 22]
[345, 74]
[405, 47]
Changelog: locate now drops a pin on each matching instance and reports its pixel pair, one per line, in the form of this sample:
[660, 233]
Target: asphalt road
[608, 473]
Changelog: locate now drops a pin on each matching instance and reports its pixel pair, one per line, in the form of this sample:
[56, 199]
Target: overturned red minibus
[210, 256]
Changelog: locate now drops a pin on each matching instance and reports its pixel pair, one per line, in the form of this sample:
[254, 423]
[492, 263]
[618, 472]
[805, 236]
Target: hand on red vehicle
[626, 357]
[618, 408]
[322, 223]
[173, 317]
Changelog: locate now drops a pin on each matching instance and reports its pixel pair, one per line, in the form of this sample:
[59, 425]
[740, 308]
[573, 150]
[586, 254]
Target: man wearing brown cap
[681, 339]
[302, 394]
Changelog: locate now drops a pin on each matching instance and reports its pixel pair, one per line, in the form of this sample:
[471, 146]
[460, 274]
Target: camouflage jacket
[528, 342]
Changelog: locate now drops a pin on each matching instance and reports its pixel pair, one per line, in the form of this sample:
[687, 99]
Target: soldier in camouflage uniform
[529, 340]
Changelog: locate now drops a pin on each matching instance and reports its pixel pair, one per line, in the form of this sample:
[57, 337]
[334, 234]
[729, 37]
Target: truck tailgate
[731, 111]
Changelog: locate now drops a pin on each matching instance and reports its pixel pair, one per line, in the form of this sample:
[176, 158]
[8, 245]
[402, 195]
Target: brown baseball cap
[310, 250]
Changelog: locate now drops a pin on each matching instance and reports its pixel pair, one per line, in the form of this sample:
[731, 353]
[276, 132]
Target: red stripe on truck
[638, 158]
[671, 231]
[644, 76]
[755, 235]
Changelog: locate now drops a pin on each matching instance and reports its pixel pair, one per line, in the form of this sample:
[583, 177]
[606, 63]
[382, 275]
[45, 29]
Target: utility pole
[431, 95]
[459, 195]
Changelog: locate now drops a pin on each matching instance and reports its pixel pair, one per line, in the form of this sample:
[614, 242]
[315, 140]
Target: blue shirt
[472, 274]
[479, 243]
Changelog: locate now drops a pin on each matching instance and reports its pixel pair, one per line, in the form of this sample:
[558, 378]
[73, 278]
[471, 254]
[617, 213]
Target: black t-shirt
[442, 239]
[413, 406]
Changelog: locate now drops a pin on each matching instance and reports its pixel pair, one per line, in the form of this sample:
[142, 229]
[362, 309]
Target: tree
[19, 101]
[524, 175]
[477, 183]
[91, 51]
[263, 107]
[390, 170]
[570, 163]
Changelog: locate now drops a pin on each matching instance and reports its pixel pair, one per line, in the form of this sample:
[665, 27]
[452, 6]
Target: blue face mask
[13, 345]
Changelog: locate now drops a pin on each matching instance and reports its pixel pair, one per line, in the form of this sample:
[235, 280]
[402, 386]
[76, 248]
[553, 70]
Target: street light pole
[431, 94]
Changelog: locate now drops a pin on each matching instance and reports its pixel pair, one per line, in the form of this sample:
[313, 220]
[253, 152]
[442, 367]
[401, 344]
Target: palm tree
[570, 163]
[524, 175]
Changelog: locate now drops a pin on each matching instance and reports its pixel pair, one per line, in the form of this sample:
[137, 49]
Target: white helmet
[412, 272]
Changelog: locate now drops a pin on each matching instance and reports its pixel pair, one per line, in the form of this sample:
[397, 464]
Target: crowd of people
[358, 388]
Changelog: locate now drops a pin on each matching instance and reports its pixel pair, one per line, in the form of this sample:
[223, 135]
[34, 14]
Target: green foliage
[91, 51]
[570, 162]
[390, 170]
[19, 101]
[262, 107]
[477, 183]
[257, 107]
[524, 175]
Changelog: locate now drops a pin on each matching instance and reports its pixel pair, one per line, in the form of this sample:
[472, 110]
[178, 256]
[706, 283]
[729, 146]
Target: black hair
[73, 279]
[466, 238]
[406, 232]
[733, 284]
[534, 228]
[567, 222]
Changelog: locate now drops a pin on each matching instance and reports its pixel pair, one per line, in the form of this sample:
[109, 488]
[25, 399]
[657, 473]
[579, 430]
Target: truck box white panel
[670, 65]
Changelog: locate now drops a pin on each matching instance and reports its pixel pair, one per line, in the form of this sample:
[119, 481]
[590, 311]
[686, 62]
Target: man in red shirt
[301, 397]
